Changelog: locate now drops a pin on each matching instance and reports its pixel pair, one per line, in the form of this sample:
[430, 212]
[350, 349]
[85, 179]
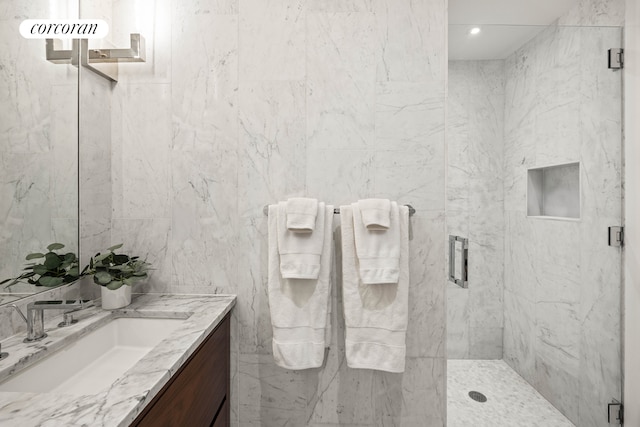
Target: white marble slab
[122, 402]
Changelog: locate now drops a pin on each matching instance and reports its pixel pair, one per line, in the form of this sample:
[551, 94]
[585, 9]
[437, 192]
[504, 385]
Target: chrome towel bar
[336, 211]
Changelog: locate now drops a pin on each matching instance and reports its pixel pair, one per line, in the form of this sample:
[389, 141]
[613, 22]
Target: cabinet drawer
[195, 394]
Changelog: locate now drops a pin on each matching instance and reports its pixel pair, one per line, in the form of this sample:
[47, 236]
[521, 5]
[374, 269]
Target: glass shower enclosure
[534, 181]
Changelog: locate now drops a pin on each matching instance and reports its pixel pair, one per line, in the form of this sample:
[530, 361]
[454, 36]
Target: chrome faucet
[35, 314]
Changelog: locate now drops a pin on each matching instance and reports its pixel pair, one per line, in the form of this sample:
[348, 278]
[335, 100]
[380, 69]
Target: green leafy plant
[114, 270]
[54, 269]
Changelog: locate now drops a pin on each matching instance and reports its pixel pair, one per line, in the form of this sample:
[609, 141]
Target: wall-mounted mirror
[38, 144]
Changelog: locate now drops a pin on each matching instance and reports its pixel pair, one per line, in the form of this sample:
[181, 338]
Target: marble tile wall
[562, 280]
[38, 143]
[475, 123]
[246, 102]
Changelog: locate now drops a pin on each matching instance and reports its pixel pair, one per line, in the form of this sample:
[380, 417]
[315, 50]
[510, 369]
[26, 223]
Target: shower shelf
[553, 192]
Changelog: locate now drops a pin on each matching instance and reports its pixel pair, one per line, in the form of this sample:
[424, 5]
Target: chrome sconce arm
[101, 61]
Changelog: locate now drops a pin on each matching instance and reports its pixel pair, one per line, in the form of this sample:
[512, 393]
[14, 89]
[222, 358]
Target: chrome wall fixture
[463, 281]
[336, 211]
[101, 61]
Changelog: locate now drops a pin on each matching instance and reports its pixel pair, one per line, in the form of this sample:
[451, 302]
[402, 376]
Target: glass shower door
[534, 181]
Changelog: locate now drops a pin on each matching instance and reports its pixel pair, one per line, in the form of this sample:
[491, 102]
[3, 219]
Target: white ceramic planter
[119, 298]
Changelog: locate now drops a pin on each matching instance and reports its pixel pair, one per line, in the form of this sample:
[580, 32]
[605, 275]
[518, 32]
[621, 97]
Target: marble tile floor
[511, 401]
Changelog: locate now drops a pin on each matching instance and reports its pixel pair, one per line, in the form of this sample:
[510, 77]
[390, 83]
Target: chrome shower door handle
[463, 280]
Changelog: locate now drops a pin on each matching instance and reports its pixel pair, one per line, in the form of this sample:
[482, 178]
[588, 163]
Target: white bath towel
[300, 252]
[375, 213]
[375, 315]
[299, 307]
[301, 214]
[378, 251]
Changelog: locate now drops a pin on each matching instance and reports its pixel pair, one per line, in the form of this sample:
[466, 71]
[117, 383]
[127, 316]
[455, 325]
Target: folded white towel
[375, 213]
[300, 252]
[378, 250]
[301, 214]
[299, 308]
[375, 315]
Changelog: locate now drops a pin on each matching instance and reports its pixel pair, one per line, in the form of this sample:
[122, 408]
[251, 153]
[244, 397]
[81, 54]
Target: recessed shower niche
[554, 191]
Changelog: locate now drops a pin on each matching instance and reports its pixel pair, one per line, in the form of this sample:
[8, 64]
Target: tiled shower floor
[511, 401]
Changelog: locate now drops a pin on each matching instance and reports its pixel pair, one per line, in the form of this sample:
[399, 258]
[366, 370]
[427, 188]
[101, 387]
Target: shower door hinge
[616, 59]
[615, 413]
[616, 236]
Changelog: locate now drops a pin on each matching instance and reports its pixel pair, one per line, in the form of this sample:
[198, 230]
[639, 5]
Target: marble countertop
[119, 404]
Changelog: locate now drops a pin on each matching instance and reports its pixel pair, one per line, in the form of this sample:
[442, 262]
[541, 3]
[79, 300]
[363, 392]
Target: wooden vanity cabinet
[198, 394]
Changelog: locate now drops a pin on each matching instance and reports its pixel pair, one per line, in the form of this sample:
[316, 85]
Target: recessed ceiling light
[474, 31]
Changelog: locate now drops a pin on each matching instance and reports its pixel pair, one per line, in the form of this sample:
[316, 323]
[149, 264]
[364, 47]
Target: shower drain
[477, 396]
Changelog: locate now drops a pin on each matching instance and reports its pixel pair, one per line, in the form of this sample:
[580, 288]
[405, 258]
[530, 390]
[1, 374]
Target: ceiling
[505, 25]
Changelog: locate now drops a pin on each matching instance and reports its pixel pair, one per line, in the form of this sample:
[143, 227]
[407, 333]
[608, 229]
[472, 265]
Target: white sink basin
[94, 361]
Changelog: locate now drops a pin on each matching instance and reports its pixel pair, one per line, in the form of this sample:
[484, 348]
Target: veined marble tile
[458, 328]
[600, 344]
[95, 236]
[557, 261]
[558, 386]
[204, 96]
[557, 50]
[410, 116]
[273, 155]
[486, 215]
[204, 184]
[341, 46]
[95, 151]
[64, 146]
[520, 262]
[600, 149]
[339, 5]
[485, 343]
[337, 394]
[146, 123]
[272, 40]
[475, 143]
[149, 239]
[340, 114]
[595, 13]
[18, 10]
[486, 117]
[204, 223]
[25, 89]
[519, 335]
[65, 230]
[26, 210]
[405, 400]
[427, 294]
[416, 176]
[519, 146]
[206, 7]
[411, 40]
[558, 336]
[252, 308]
[271, 395]
[485, 268]
[457, 138]
[340, 176]
[600, 370]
